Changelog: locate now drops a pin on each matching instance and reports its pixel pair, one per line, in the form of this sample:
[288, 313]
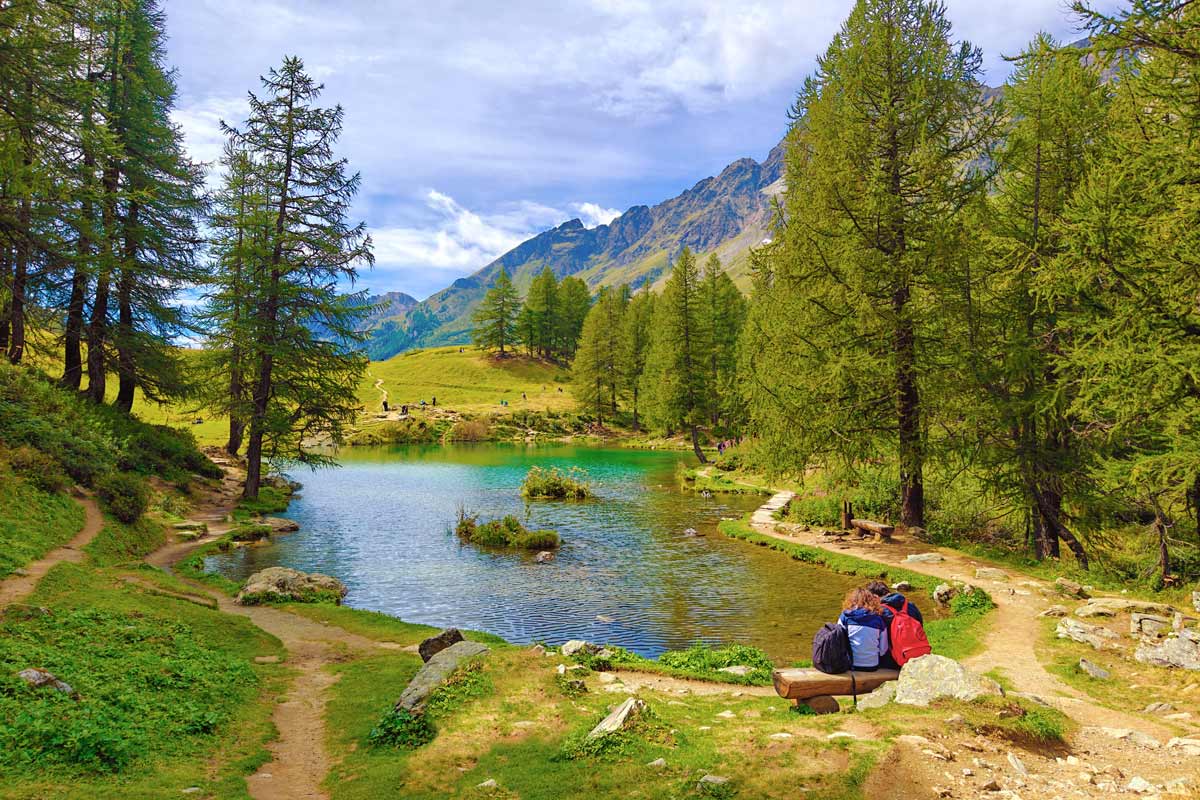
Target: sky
[477, 124]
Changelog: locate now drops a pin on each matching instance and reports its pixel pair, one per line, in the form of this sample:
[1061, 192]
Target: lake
[627, 573]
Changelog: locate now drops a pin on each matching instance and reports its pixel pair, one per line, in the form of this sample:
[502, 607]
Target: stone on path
[1017, 765]
[436, 644]
[1095, 610]
[1136, 738]
[280, 584]
[1095, 670]
[991, 573]
[1055, 611]
[1140, 785]
[1181, 651]
[1097, 637]
[1186, 746]
[741, 670]
[924, 558]
[435, 672]
[1141, 624]
[1070, 587]
[930, 677]
[621, 717]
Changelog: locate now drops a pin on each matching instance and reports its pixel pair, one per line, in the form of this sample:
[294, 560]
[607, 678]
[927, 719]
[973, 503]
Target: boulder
[1093, 610]
[575, 646]
[878, 698]
[1158, 708]
[1136, 738]
[1097, 637]
[944, 593]
[902, 586]
[280, 584]
[281, 525]
[621, 717]
[1095, 670]
[1055, 611]
[39, 678]
[924, 558]
[741, 670]
[713, 780]
[1178, 651]
[544, 557]
[1121, 605]
[436, 670]
[436, 644]
[1070, 588]
[1188, 747]
[1148, 624]
[930, 677]
[991, 574]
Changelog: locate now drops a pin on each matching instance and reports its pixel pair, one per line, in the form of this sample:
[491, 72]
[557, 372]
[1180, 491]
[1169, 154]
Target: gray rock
[1177, 651]
[1139, 785]
[621, 717]
[991, 786]
[1055, 611]
[436, 644]
[281, 525]
[657, 763]
[878, 698]
[991, 574]
[1196, 600]
[1141, 624]
[280, 584]
[435, 672]
[1017, 765]
[490, 783]
[38, 678]
[740, 670]
[574, 646]
[1070, 587]
[1094, 610]
[1121, 605]
[1095, 670]
[1097, 637]
[713, 780]
[1158, 708]
[930, 677]
[1186, 746]
[902, 586]
[544, 557]
[944, 593]
[924, 558]
[1136, 738]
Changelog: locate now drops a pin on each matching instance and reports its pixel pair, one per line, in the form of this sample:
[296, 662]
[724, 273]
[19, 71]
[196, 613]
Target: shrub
[39, 469]
[406, 730]
[402, 729]
[505, 532]
[555, 484]
[125, 496]
[470, 430]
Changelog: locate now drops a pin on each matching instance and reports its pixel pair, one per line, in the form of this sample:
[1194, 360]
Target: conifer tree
[635, 346]
[301, 384]
[496, 318]
[539, 317]
[574, 301]
[726, 309]
[596, 373]
[676, 381]
[879, 168]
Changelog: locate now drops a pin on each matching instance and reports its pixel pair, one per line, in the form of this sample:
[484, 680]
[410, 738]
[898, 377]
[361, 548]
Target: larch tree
[574, 301]
[635, 346]
[302, 385]
[676, 381]
[497, 316]
[726, 308]
[596, 373]
[879, 168]
[539, 317]
[1023, 431]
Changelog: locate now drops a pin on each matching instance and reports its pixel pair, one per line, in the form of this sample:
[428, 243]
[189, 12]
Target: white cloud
[201, 125]
[593, 214]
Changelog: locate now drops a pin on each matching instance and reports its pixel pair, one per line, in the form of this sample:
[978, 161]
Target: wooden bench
[883, 533]
[817, 689]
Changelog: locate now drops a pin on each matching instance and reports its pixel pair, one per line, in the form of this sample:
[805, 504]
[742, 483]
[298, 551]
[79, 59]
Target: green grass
[118, 543]
[955, 636]
[33, 522]
[168, 695]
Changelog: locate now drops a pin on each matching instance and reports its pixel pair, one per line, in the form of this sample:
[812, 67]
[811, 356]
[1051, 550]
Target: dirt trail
[299, 760]
[1008, 645]
[19, 586]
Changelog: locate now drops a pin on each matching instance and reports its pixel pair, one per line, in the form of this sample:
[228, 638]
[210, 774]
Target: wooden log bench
[866, 527]
[817, 689]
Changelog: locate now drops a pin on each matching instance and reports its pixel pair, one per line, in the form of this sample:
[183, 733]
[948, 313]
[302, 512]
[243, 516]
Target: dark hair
[878, 588]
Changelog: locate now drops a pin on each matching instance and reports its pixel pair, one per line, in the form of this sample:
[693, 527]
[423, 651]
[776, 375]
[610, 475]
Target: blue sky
[477, 124]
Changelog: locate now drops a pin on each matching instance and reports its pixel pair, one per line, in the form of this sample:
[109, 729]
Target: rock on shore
[280, 584]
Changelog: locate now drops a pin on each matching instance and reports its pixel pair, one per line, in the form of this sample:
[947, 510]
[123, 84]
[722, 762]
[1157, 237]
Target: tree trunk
[16, 314]
[636, 426]
[696, 445]
[5, 305]
[1052, 518]
[1193, 496]
[126, 366]
[72, 375]
[908, 407]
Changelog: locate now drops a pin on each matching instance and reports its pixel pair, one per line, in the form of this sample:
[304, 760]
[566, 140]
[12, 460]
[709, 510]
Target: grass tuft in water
[555, 484]
[505, 532]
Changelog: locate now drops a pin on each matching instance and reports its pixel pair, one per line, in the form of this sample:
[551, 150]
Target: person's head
[878, 588]
[861, 598]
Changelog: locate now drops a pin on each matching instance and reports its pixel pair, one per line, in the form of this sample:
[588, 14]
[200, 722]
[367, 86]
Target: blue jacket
[896, 600]
[868, 636]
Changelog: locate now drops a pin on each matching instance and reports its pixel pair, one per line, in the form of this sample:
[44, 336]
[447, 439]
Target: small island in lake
[505, 532]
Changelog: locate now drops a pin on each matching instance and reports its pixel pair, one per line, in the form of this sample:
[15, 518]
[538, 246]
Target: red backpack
[907, 636]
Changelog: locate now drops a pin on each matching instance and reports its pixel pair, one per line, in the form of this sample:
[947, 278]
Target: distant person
[422, 404]
[435, 402]
[560, 390]
[404, 410]
[720, 448]
[385, 406]
[862, 616]
[523, 397]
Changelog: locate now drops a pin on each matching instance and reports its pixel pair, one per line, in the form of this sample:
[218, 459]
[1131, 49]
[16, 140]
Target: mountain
[386, 322]
[727, 215]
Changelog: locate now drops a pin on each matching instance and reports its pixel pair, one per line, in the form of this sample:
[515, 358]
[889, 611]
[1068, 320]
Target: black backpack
[831, 653]
[831, 649]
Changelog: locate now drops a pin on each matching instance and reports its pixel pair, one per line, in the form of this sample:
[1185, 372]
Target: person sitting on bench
[862, 616]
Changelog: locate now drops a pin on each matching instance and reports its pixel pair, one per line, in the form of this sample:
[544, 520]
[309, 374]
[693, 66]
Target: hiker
[404, 411]
[906, 627]
[434, 401]
[721, 448]
[862, 616]
[385, 406]
[523, 397]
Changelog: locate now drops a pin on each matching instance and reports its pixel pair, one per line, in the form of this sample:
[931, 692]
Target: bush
[555, 484]
[470, 430]
[406, 730]
[402, 729]
[506, 532]
[125, 496]
[39, 469]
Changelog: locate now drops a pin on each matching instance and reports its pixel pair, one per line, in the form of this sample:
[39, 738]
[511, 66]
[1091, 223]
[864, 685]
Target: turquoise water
[381, 523]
